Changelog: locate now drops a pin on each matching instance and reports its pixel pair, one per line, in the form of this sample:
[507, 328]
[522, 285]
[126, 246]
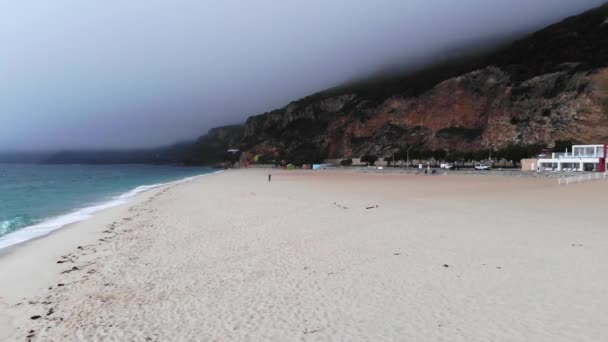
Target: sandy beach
[321, 256]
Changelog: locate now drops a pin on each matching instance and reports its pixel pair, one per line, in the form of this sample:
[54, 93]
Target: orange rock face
[481, 109]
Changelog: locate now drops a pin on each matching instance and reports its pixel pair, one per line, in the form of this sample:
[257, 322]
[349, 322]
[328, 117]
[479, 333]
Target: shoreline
[32, 264]
[14, 247]
[320, 255]
[75, 216]
[118, 206]
[29, 267]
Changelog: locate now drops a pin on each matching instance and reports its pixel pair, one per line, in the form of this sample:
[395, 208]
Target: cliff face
[469, 112]
[552, 85]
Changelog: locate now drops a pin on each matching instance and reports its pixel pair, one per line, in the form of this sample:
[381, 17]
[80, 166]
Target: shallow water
[37, 199]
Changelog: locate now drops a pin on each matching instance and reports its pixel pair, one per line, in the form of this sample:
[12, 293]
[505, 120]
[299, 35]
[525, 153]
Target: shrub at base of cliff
[264, 159]
[563, 145]
[516, 152]
[306, 153]
[231, 158]
[369, 160]
[346, 162]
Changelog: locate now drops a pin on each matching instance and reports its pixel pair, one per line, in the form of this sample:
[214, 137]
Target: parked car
[483, 167]
[447, 166]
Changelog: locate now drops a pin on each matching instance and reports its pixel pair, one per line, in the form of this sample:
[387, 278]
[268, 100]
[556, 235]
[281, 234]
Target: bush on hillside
[346, 162]
[369, 159]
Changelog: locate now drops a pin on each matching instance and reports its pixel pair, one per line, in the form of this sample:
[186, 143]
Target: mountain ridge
[549, 85]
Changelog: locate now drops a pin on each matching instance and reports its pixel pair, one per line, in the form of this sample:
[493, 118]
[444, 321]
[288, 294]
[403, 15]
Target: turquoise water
[36, 199]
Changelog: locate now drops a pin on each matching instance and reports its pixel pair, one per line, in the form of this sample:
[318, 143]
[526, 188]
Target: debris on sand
[372, 207]
[340, 205]
[65, 258]
[306, 331]
[75, 268]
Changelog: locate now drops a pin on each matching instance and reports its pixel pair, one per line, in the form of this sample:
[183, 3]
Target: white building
[581, 158]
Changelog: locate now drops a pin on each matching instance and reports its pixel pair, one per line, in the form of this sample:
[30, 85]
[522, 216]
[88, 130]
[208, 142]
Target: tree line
[512, 152]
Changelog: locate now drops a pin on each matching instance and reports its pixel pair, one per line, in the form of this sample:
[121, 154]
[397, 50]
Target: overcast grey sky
[115, 73]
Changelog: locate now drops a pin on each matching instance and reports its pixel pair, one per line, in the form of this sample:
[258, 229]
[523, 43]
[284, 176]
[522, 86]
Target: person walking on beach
[269, 177]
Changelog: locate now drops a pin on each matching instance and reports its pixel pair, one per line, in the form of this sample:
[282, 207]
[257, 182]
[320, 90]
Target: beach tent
[291, 167]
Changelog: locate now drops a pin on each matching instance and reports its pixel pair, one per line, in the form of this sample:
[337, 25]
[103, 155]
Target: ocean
[37, 199]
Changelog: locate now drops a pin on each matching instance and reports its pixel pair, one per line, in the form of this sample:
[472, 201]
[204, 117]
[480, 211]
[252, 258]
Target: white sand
[231, 257]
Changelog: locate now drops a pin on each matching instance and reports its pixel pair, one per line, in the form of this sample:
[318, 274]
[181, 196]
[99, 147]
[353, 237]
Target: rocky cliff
[550, 85]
